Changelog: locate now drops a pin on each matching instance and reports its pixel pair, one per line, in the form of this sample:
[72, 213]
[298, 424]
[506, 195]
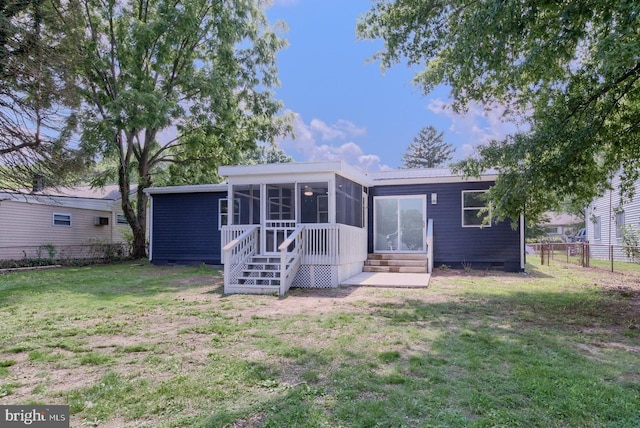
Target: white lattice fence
[316, 276]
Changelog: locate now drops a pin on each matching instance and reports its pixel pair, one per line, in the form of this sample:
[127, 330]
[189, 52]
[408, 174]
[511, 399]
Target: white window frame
[236, 212]
[464, 209]
[597, 229]
[620, 222]
[53, 220]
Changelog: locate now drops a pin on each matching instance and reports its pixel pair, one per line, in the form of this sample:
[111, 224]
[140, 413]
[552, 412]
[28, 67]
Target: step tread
[395, 269]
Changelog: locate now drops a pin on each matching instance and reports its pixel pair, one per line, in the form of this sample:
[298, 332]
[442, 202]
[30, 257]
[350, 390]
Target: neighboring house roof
[84, 197]
[561, 219]
[195, 188]
[109, 192]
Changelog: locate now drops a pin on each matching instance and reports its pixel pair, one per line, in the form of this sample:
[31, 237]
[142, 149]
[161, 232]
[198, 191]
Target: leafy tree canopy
[34, 95]
[428, 150]
[184, 83]
[570, 70]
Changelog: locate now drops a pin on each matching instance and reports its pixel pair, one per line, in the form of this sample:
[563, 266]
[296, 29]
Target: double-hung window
[475, 212]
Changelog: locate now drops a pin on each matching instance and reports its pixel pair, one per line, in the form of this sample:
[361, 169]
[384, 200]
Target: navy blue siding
[498, 245]
[185, 228]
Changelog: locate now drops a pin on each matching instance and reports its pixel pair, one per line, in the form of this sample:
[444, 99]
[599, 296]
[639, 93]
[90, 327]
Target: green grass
[137, 345]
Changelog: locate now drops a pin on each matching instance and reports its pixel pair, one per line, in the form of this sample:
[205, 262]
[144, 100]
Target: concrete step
[398, 269]
[397, 256]
[393, 262]
[252, 289]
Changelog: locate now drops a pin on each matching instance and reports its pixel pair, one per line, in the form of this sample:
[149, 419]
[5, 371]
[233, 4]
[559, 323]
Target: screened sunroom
[301, 225]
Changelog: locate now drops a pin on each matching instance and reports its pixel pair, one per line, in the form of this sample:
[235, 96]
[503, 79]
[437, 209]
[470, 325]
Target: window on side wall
[223, 212]
[60, 219]
[473, 204]
[121, 219]
[597, 229]
[619, 225]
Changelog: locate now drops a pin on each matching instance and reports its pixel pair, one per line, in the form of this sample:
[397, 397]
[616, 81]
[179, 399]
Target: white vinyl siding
[473, 203]
[31, 225]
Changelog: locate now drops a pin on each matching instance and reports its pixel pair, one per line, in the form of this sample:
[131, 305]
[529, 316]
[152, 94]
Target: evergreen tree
[428, 150]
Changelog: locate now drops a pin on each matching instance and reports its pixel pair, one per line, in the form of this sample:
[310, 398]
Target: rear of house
[317, 224]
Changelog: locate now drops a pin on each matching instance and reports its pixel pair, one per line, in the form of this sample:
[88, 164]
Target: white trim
[53, 219]
[195, 188]
[395, 181]
[462, 210]
[523, 241]
[237, 172]
[150, 219]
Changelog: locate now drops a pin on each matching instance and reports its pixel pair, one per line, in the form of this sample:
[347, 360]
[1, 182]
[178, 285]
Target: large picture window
[474, 209]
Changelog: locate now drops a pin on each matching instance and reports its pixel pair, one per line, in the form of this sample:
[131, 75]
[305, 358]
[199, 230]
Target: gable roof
[84, 197]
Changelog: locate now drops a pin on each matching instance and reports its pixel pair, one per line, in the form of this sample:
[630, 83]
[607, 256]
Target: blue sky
[345, 107]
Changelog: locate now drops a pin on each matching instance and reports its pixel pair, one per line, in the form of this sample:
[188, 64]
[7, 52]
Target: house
[64, 220]
[606, 219]
[560, 225]
[318, 224]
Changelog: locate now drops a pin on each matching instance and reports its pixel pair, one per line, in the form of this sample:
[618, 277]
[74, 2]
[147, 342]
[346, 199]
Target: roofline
[191, 188]
[434, 180]
[61, 201]
[301, 168]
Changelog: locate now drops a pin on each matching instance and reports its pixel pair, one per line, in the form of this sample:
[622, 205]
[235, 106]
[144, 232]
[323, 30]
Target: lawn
[137, 345]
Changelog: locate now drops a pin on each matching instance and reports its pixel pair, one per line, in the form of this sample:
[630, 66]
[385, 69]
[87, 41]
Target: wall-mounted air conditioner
[101, 221]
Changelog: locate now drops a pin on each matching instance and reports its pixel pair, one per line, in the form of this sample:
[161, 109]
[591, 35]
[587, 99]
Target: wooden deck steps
[400, 263]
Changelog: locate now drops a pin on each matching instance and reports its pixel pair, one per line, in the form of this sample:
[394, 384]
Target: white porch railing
[231, 232]
[430, 245]
[334, 244]
[290, 258]
[237, 252]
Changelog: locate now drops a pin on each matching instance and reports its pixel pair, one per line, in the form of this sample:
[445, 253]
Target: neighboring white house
[606, 218]
[560, 225]
[64, 219]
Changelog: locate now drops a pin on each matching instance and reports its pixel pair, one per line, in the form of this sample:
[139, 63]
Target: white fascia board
[195, 188]
[433, 180]
[291, 171]
[62, 201]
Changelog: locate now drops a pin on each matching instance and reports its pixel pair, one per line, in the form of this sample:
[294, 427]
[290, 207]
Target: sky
[345, 107]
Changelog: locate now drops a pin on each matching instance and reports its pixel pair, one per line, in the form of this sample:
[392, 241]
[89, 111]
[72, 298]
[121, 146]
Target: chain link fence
[585, 254]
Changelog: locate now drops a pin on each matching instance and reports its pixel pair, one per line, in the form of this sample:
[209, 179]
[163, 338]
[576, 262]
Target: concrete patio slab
[388, 279]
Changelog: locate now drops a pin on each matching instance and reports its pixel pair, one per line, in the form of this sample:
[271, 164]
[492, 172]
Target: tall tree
[184, 82]
[263, 154]
[428, 150]
[571, 70]
[34, 94]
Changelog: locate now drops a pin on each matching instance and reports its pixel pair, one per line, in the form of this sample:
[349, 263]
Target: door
[399, 224]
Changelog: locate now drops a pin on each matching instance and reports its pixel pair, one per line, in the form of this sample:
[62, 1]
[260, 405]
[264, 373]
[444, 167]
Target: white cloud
[477, 126]
[342, 129]
[306, 147]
